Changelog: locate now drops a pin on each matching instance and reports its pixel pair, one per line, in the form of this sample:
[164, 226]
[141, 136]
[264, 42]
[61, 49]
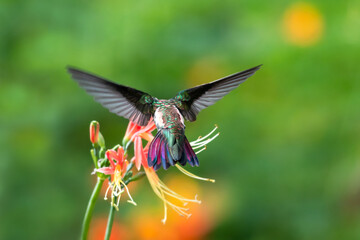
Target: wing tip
[249, 72]
[74, 70]
[254, 69]
[71, 69]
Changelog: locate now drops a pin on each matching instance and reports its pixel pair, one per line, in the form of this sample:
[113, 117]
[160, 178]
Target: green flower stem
[137, 176]
[90, 208]
[110, 222]
[111, 218]
[93, 157]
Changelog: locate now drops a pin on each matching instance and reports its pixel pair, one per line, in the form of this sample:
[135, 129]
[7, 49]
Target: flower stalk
[110, 222]
[90, 208]
[113, 209]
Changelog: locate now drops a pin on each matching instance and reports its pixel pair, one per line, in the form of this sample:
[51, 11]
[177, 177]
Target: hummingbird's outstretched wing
[191, 101]
[127, 102]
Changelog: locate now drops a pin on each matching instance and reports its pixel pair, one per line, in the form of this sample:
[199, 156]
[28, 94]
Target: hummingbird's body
[170, 144]
[170, 139]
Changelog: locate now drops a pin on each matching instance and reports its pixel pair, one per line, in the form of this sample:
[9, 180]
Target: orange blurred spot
[200, 222]
[303, 24]
[146, 223]
[195, 227]
[147, 226]
[98, 228]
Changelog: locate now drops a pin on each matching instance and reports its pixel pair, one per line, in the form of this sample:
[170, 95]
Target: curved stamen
[193, 175]
[107, 190]
[204, 142]
[204, 148]
[202, 138]
[127, 190]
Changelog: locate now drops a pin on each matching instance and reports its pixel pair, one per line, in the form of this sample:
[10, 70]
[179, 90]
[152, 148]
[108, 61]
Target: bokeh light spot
[98, 228]
[147, 226]
[303, 24]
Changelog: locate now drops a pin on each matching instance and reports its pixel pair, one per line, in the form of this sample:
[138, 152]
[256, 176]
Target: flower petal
[139, 153]
[131, 130]
[147, 136]
[120, 154]
[111, 154]
[105, 170]
[150, 127]
[124, 167]
[145, 132]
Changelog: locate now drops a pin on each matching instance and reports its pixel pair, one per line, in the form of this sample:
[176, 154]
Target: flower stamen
[193, 175]
[198, 144]
[117, 186]
[162, 191]
[107, 190]
[206, 136]
[204, 148]
[128, 192]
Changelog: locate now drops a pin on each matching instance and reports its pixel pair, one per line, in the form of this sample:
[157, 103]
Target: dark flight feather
[159, 154]
[191, 101]
[127, 102]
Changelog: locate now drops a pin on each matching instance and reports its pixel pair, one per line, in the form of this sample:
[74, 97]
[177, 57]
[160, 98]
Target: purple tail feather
[159, 154]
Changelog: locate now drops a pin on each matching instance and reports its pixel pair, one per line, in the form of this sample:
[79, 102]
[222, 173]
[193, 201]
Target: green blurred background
[287, 162]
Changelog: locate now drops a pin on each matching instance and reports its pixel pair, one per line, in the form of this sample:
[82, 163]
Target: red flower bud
[94, 132]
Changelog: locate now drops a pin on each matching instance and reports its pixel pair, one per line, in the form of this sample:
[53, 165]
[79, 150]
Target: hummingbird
[170, 145]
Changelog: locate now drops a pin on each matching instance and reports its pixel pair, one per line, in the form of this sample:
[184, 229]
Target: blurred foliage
[287, 162]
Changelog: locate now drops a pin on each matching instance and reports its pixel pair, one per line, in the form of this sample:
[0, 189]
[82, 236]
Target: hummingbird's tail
[166, 150]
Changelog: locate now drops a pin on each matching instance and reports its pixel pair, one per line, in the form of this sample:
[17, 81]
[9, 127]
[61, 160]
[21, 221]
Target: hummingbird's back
[170, 144]
[168, 116]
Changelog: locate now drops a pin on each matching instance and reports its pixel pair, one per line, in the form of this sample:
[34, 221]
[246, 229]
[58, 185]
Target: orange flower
[133, 130]
[117, 170]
